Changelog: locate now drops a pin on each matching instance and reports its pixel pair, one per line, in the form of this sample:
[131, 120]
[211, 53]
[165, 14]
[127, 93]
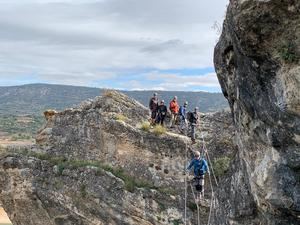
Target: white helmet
[197, 154]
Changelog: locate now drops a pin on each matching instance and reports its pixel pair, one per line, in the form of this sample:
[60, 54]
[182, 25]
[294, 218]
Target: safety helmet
[162, 101]
[155, 94]
[197, 154]
[196, 108]
[186, 103]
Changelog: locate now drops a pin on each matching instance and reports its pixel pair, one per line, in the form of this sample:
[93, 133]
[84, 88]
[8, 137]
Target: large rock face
[257, 63]
[94, 165]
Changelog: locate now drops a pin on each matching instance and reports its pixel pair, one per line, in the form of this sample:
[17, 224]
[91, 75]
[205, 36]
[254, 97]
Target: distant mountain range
[33, 99]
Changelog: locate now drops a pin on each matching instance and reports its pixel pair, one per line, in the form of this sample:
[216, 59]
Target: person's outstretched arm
[191, 165]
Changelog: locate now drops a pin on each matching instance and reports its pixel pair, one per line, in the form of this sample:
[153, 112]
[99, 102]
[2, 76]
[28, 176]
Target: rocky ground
[97, 164]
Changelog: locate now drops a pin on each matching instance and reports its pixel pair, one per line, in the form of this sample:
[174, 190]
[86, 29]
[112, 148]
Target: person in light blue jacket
[182, 116]
[200, 169]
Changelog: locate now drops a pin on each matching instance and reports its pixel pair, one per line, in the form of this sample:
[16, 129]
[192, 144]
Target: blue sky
[131, 45]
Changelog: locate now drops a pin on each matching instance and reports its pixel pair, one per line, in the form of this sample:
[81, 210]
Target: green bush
[83, 191]
[61, 168]
[162, 206]
[177, 222]
[145, 126]
[192, 206]
[159, 130]
[288, 52]
[221, 165]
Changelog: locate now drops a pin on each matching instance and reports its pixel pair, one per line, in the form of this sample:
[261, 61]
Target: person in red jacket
[174, 108]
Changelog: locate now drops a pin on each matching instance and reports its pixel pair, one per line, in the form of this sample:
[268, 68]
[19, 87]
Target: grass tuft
[120, 117]
[159, 130]
[145, 126]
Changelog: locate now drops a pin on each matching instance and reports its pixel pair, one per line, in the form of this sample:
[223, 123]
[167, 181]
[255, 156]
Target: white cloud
[161, 81]
[83, 38]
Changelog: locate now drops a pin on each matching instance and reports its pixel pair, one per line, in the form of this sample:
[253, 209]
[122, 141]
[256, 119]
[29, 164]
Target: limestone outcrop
[94, 164]
[257, 63]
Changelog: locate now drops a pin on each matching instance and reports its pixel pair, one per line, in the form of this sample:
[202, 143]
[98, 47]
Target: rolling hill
[33, 99]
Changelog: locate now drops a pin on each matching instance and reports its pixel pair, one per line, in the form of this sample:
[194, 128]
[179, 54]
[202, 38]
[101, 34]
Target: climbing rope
[209, 161]
[205, 154]
[197, 204]
[210, 170]
[185, 192]
[185, 183]
[212, 198]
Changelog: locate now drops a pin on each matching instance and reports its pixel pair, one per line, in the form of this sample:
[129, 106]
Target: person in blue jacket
[200, 169]
[182, 116]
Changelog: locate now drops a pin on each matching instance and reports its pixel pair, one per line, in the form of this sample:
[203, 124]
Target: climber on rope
[182, 116]
[200, 169]
[153, 105]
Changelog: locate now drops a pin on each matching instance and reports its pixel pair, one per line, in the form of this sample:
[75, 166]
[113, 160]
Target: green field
[20, 127]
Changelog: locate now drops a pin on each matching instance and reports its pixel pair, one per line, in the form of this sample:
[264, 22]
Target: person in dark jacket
[193, 121]
[153, 105]
[200, 169]
[161, 113]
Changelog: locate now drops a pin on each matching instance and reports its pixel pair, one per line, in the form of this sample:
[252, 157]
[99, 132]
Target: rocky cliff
[95, 164]
[257, 63]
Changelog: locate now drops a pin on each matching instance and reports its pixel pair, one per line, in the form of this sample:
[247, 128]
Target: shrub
[177, 222]
[221, 165]
[145, 126]
[60, 168]
[159, 130]
[120, 117]
[162, 206]
[288, 52]
[83, 191]
[108, 93]
[192, 206]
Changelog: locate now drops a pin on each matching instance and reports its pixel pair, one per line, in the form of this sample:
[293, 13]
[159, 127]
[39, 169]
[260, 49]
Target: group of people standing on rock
[186, 121]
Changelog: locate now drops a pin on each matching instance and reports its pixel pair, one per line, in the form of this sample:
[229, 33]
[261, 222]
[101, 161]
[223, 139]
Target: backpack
[189, 117]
